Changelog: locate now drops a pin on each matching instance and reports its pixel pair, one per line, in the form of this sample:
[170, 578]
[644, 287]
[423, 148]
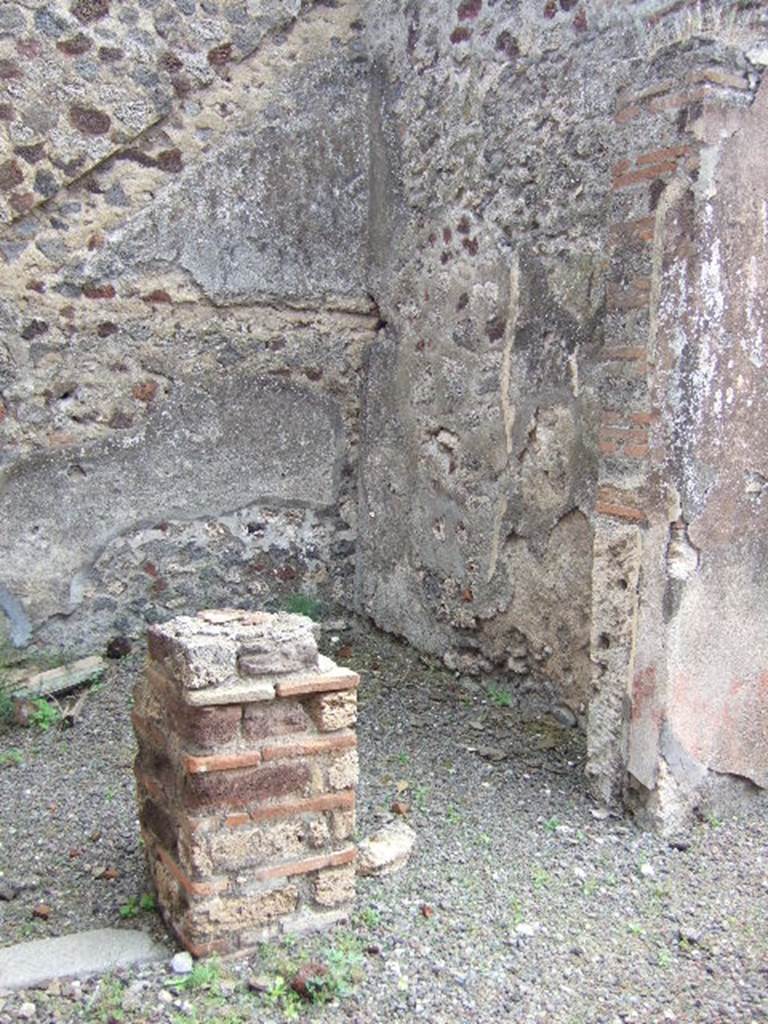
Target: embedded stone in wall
[246, 777]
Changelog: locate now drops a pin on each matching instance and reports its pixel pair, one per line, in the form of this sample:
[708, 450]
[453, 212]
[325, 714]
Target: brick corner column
[246, 778]
[667, 131]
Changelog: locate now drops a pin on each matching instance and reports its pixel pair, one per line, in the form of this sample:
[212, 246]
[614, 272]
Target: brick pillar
[659, 190]
[648, 128]
[246, 776]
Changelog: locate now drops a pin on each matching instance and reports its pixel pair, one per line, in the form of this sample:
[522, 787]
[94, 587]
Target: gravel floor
[522, 901]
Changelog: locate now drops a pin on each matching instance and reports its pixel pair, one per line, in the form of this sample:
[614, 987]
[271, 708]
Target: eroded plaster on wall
[708, 643]
[184, 309]
[453, 309]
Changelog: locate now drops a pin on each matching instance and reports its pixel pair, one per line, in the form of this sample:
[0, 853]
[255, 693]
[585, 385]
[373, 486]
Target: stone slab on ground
[72, 956]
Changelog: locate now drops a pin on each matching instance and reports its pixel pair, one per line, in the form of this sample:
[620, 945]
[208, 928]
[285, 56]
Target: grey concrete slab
[73, 956]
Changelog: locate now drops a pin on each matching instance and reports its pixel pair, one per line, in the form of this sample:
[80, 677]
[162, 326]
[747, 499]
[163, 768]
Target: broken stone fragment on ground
[387, 850]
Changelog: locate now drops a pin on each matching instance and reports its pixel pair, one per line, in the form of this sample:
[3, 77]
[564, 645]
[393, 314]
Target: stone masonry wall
[246, 776]
[451, 309]
[486, 401]
[479, 466]
[546, 390]
[183, 311]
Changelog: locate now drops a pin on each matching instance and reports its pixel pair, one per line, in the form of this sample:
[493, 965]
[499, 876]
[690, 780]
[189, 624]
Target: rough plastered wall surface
[454, 308]
[183, 198]
[678, 718]
[563, 461]
[700, 713]
[481, 404]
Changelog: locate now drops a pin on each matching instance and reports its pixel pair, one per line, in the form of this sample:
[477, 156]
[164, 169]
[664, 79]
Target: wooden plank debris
[61, 679]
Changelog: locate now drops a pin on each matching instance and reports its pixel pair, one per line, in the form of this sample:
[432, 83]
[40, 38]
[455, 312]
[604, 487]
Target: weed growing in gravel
[132, 907]
[552, 824]
[370, 917]
[516, 909]
[453, 815]
[541, 878]
[109, 1001]
[590, 887]
[281, 995]
[420, 794]
[665, 958]
[332, 975]
[12, 664]
[303, 604]
[44, 715]
[206, 974]
[129, 909]
[12, 757]
[499, 696]
[344, 960]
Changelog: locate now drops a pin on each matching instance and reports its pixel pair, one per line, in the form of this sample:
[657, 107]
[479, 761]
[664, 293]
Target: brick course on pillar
[246, 775]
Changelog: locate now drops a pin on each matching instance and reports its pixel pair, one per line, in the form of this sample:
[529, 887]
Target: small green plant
[304, 604]
[339, 968]
[420, 794]
[148, 903]
[590, 886]
[552, 824]
[403, 759]
[109, 1001]
[516, 909]
[635, 928]
[483, 839]
[499, 696]
[541, 878]
[370, 917]
[133, 905]
[44, 715]
[665, 958]
[344, 961]
[206, 974]
[281, 995]
[453, 815]
[129, 909]
[12, 757]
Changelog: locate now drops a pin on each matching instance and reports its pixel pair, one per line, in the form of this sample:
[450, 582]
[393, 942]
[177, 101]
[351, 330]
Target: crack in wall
[507, 408]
